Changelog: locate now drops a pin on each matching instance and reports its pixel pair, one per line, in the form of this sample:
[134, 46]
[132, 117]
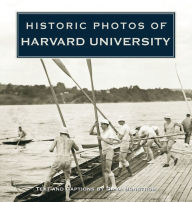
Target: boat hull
[17, 142]
[89, 176]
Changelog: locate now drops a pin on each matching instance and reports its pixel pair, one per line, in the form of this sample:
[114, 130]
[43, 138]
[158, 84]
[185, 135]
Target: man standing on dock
[169, 128]
[63, 145]
[149, 134]
[107, 137]
[187, 126]
[126, 141]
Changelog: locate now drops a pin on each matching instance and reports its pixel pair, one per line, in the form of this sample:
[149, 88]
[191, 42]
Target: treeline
[41, 94]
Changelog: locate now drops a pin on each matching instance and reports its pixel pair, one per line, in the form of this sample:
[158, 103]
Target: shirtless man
[169, 128]
[63, 145]
[21, 133]
[126, 141]
[107, 137]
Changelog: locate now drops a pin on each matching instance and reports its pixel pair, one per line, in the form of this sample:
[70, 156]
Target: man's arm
[181, 127]
[24, 134]
[91, 132]
[74, 146]
[157, 142]
[120, 136]
[164, 128]
[107, 140]
[53, 146]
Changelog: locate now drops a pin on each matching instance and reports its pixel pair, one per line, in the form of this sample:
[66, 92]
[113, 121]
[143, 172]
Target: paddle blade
[62, 66]
[89, 65]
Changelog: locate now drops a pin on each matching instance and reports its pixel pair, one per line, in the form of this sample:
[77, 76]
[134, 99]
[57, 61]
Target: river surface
[30, 164]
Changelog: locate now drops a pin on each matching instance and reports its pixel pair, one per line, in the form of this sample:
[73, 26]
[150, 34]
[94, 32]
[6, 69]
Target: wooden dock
[153, 183]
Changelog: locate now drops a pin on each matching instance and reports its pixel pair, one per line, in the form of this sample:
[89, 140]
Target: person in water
[63, 145]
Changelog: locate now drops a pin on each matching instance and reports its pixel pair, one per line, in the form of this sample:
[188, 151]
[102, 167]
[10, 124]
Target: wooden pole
[184, 95]
[147, 138]
[62, 119]
[64, 69]
[96, 116]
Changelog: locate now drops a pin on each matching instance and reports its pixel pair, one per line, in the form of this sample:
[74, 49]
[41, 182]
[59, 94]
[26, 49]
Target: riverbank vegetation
[41, 94]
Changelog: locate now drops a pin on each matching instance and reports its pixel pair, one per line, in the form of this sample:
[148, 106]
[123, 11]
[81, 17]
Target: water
[30, 164]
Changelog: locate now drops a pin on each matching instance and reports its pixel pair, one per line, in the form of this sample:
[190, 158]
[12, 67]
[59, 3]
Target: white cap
[154, 127]
[105, 121]
[137, 127]
[132, 132]
[167, 116]
[121, 119]
[64, 130]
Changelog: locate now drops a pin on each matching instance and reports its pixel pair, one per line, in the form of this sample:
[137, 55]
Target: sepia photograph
[101, 127]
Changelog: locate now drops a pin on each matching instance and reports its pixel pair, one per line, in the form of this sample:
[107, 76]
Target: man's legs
[126, 163]
[185, 141]
[67, 185]
[149, 150]
[120, 165]
[169, 153]
[47, 182]
[109, 174]
[188, 138]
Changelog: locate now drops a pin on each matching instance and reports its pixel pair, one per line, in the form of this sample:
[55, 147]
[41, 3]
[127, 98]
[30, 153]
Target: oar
[184, 95]
[64, 69]
[18, 143]
[63, 121]
[43, 140]
[159, 136]
[8, 138]
[96, 117]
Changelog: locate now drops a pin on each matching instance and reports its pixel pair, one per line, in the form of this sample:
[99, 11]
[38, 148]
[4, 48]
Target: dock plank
[189, 197]
[187, 191]
[166, 195]
[183, 183]
[160, 181]
[172, 184]
[139, 183]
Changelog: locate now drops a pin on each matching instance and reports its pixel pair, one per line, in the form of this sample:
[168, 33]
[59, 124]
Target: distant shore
[40, 94]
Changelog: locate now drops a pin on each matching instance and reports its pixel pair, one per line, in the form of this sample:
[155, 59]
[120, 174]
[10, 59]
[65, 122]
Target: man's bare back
[63, 146]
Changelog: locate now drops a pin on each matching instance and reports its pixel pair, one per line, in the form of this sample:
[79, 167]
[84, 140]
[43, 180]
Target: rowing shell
[18, 142]
[91, 171]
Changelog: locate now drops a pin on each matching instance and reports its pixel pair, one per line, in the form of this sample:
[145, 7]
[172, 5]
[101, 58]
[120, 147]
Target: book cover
[95, 101]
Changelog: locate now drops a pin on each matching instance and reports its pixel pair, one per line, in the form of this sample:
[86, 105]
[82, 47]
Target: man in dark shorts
[187, 126]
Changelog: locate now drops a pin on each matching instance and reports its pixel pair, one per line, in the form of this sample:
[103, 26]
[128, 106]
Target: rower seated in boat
[63, 145]
[106, 138]
[21, 133]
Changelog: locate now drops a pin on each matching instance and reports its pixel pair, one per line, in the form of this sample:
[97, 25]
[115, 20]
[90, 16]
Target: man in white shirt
[170, 131]
[126, 141]
[148, 132]
[107, 137]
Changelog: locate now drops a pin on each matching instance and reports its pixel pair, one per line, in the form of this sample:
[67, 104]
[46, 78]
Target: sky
[107, 73]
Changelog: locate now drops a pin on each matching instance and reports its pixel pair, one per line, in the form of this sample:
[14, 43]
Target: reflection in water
[30, 163]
